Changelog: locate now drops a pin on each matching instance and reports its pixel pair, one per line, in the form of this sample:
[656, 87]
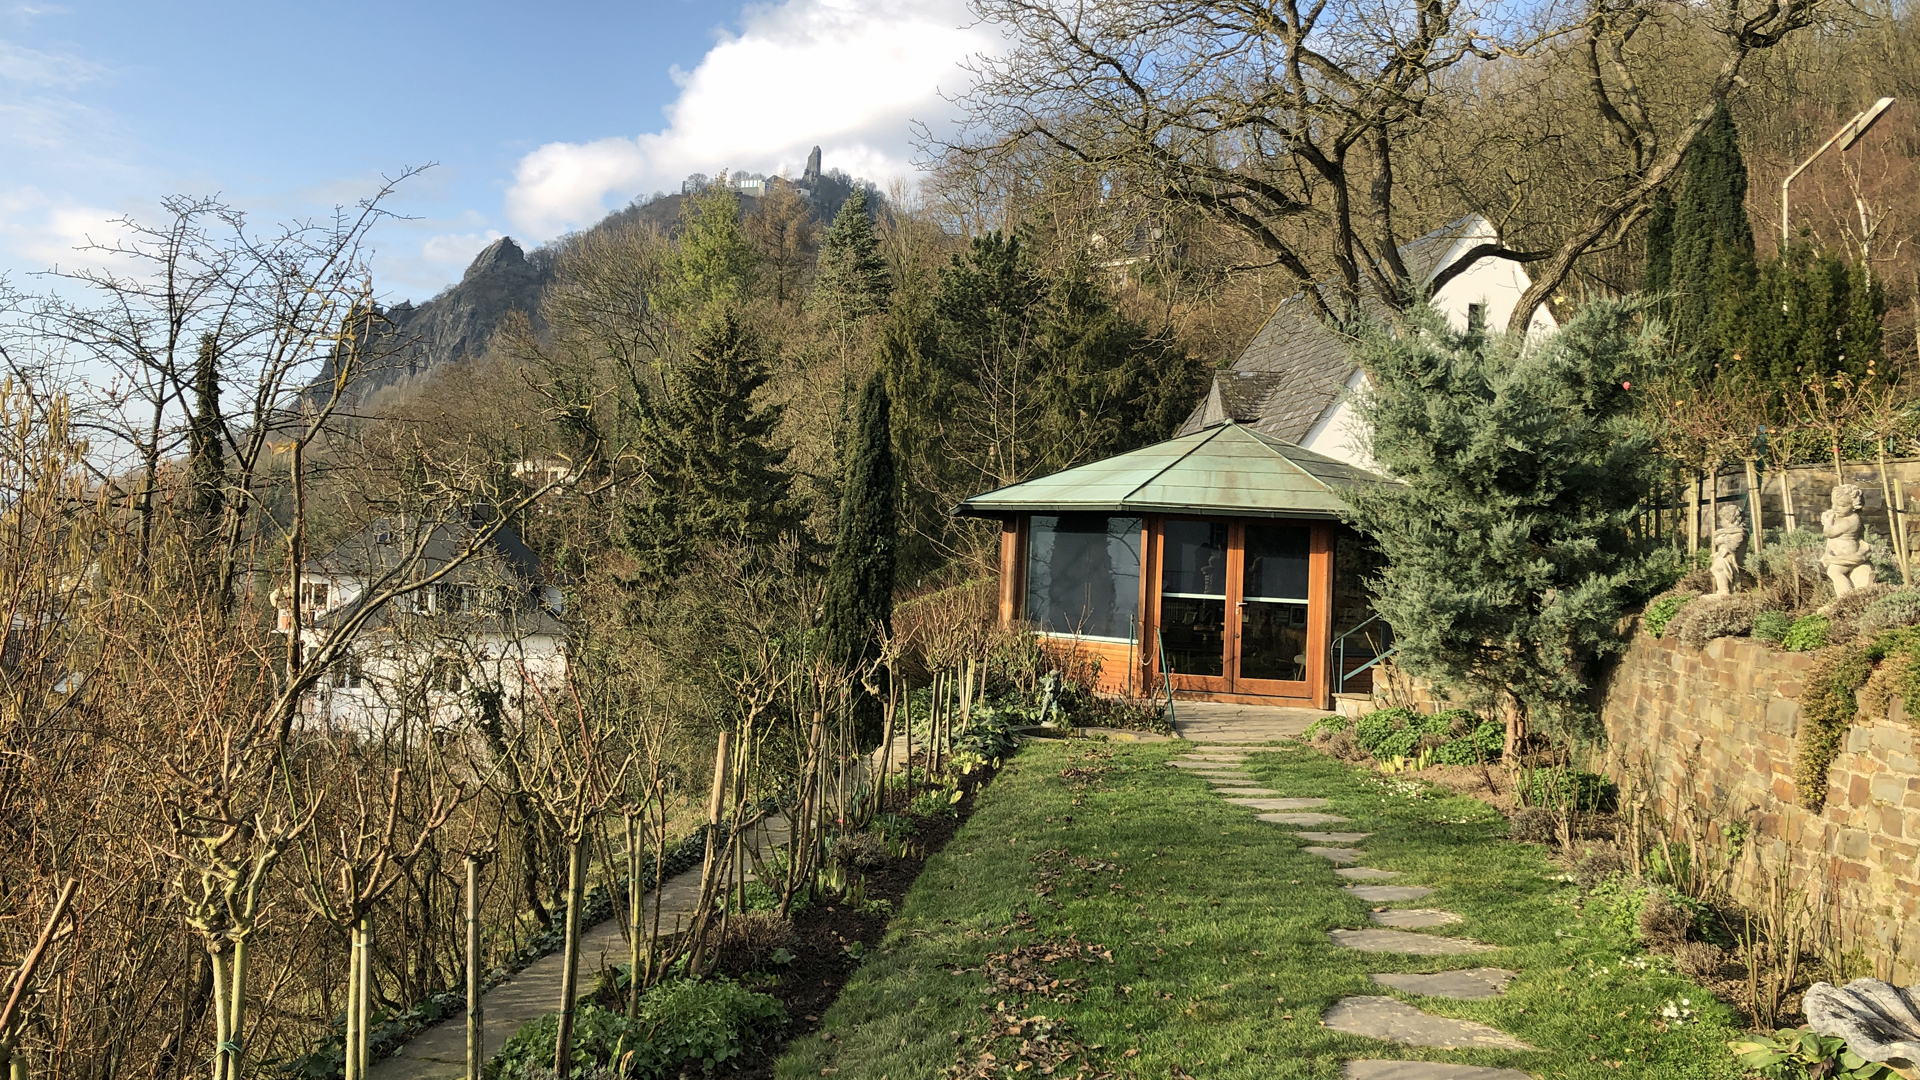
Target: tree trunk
[570, 962]
[636, 914]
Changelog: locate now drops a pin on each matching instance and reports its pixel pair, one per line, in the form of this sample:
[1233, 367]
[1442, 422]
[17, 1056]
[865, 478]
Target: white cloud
[48, 231]
[848, 75]
[35, 68]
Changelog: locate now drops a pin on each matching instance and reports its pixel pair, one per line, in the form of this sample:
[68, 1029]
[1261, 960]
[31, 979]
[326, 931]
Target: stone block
[1856, 791]
[1887, 787]
[1895, 740]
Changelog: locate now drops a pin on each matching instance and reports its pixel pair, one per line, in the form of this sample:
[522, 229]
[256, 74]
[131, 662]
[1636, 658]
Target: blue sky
[539, 117]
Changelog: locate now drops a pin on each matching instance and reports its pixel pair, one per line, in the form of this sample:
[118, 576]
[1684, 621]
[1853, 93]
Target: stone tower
[812, 174]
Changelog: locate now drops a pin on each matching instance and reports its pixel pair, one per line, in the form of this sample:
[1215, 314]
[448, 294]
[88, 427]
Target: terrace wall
[1709, 735]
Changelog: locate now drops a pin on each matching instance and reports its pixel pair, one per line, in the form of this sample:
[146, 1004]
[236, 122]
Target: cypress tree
[1712, 271]
[711, 471]
[1657, 279]
[859, 600]
[206, 432]
[853, 280]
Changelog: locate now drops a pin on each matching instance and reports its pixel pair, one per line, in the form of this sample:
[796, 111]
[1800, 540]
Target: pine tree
[859, 600]
[711, 472]
[1509, 558]
[852, 281]
[1713, 272]
[1813, 317]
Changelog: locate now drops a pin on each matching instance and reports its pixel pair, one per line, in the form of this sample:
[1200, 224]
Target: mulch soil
[824, 933]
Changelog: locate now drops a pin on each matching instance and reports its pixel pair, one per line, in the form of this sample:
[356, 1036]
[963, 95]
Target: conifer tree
[852, 281]
[1813, 317]
[1656, 280]
[1712, 272]
[1521, 465]
[711, 471]
[713, 261]
[206, 432]
[859, 600]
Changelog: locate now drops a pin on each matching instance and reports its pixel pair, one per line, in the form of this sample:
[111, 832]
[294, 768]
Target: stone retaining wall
[1709, 735]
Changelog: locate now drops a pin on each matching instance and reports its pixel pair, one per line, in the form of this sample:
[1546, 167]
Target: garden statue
[1728, 535]
[1846, 557]
[1878, 1020]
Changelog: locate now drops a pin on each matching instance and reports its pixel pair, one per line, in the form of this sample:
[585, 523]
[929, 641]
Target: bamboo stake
[570, 963]
[1786, 497]
[1753, 503]
[1900, 505]
[1893, 515]
[476, 1015]
[1693, 514]
[356, 956]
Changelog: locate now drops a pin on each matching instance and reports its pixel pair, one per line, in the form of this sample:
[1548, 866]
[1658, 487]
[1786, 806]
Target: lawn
[1215, 924]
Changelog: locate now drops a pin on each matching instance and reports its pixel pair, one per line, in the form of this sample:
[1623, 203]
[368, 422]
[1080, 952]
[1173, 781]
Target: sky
[536, 118]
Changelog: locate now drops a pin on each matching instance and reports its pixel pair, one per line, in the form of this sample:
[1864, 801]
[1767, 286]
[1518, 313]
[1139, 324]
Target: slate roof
[1296, 367]
[504, 563]
[1226, 469]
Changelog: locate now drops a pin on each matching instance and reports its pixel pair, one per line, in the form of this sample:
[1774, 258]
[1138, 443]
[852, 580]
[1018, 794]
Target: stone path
[1218, 723]
[440, 1052]
[1395, 931]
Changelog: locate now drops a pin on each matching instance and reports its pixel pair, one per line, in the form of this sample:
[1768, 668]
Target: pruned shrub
[1711, 617]
[1451, 737]
[1567, 788]
[1663, 924]
[683, 1024]
[1531, 825]
[1896, 609]
[861, 851]
[1699, 960]
[1851, 606]
[1808, 632]
[750, 937]
[1788, 566]
[1662, 609]
[1772, 626]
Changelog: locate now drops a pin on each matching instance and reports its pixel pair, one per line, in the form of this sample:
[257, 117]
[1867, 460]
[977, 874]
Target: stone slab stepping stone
[1396, 1021]
[1367, 873]
[1335, 837]
[1414, 918]
[1425, 1070]
[1243, 791]
[1206, 766]
[1307, 818]
[1401, 941]
[1280, 804]
[1467, 984]
[1342, 855]
[1384, 893]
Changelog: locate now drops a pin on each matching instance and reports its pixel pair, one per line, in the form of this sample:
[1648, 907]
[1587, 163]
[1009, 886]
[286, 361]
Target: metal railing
[1385, 649]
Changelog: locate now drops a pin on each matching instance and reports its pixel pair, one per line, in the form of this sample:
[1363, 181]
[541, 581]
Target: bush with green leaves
[1450, 737]
[1772, 626]
[1662, 610]
[686, 1023]
[1327, 725]
[1712, 617]
[1808, 632]
[1802, 1054]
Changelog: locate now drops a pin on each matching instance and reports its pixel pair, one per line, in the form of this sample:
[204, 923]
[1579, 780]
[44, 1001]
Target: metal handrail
[1340, 672]
[1166, 673]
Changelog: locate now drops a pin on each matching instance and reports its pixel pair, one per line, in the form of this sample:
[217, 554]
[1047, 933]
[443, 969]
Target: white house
[491, 622]
[1296, 379]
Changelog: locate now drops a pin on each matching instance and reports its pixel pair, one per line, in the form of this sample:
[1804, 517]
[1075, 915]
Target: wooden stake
[1693, 515]
[1753, 502]
[476, 1021]
[570, 962]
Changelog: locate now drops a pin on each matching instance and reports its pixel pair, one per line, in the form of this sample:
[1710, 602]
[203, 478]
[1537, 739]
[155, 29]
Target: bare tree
[1292, 122]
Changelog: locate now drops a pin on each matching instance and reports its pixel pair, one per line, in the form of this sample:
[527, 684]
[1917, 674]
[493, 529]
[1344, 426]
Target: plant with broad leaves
[1794, 1053]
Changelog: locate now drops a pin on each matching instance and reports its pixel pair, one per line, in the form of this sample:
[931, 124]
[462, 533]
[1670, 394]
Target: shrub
[1772, 626]
[1567, 787]
[1788, 566]
[1327, 725]
[750, 937]
[1483, 743]
[1662, 610]
[1899, 608]
[1827, 709]
[1531, 825]
[1451, 737]
[1663, 923]
[1807, 633]
[691, 1023]
[1854, 603]
[1712, 617]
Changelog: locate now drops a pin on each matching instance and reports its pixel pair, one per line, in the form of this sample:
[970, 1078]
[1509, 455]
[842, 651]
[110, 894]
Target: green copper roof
[1227, 469]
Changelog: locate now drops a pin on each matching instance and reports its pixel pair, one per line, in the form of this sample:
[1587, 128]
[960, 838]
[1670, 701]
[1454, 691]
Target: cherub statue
[1846, 557]
[1728, 535]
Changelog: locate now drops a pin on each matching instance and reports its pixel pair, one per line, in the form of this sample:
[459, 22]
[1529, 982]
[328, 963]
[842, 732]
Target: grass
[1217, 923]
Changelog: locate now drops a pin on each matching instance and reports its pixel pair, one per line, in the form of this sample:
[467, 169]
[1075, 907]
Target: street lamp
[1847, 135]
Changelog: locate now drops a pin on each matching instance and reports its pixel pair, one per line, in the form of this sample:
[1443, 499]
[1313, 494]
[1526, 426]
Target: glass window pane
[1273, 641]
[1083, 574]
[1276, 562]
[1193, 631]
[1196, 559]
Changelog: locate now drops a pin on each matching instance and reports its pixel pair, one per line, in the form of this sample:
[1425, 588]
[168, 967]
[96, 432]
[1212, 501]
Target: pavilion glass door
[1242, 609]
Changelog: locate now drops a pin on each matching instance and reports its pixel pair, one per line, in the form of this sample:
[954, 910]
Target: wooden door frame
[1313, 692]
